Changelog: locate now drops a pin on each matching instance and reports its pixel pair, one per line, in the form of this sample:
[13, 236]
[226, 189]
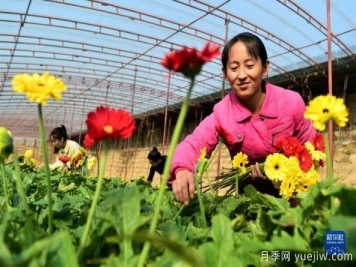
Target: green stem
[4, 182]
[237, 184]
[177, 214]
[208, 164]
[19, 183]
[175, 139]
[46, 167]
[197, 181]
[329, 169]
[94, 203]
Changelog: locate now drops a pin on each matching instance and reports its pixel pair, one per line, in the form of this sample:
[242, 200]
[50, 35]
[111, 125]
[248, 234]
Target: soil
[345, 162]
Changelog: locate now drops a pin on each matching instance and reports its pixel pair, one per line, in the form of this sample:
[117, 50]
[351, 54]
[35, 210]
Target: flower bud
[6, 143]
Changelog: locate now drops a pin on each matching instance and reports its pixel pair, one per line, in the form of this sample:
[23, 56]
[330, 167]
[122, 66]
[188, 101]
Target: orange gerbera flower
[190, 61]
[88, 142]
[108, 122]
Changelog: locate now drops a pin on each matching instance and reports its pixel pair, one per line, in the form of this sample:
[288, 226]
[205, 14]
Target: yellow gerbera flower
[316, 154]
[306, 181]
[33, 161]
[203, 153]
[91, 162]
[39, 88]
[275, 166]
[324, 108]
[293, 167]
[239, 162]
[288, 185]
[28, 154]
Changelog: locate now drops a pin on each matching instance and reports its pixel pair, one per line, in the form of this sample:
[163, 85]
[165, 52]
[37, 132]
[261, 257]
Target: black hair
[59, 133]
[254, 45]
[154, 154]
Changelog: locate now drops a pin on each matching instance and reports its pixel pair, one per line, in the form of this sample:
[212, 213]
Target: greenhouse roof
[108, 52]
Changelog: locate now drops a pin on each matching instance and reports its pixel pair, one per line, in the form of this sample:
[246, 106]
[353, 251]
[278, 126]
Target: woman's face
[57, 143]
[243, 72]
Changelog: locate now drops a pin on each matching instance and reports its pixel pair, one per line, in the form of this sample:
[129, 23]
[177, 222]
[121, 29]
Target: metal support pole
[166, 114]
[132, 109]
[330, 79]
[222, 93]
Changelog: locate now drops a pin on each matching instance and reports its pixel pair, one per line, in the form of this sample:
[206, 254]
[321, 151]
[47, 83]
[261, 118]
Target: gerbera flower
[324, 108]
[239, 162]
[288, 145]
[317, 155]
[88, 141]
[226, 137]
[304, 158]
[288, 185]
[275, 166]
[107, 122]
[91, 162]
[64, 158]
[306, 181]
[203, 153]
[28, 154]
[77, 160]
[6, 143]
[319, 143]
[33, 161]
[188, 61]
[39, 88]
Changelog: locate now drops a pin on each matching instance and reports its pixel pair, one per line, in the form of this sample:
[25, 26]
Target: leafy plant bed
[241, 230]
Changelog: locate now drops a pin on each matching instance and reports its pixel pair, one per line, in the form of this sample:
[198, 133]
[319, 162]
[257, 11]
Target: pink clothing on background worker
[281, 115]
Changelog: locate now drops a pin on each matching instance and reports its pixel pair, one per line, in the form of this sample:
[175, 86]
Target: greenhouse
[177, 133]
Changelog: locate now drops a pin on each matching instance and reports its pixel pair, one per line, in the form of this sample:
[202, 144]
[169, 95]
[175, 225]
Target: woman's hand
[256, 173]
[184, 186]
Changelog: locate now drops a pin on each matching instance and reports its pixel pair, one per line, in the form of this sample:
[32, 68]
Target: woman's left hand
[256, 172]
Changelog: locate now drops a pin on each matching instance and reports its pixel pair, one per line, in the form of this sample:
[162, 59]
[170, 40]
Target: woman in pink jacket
[251, 118]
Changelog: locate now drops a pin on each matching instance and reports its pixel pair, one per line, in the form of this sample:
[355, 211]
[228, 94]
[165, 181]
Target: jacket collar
[269, 107]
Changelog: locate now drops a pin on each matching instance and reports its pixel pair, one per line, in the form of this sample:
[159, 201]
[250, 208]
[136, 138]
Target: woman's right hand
[183, 186]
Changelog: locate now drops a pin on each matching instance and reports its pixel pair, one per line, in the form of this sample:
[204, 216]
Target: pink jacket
[281, 115]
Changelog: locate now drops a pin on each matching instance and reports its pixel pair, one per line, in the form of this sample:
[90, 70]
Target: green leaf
[187, 254]
[273, 203]
[68, 200]
[346, 195]
[222, 233]
[56, 251]
[122, 208]
[215, 256]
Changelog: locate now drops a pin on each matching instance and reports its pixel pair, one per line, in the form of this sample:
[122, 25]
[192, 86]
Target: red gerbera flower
[228, 138]
[318, 142]
[305, 159]
[289, 145]
[64, 159]
[107, 122]
[88, 142]
[190, 61]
